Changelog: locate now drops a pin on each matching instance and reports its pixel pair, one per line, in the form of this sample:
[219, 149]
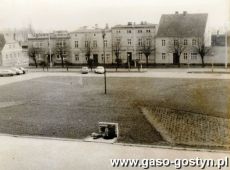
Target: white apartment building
[131, 38]
[85, 41]
[48, 43]
[11, 52]
[183, 29]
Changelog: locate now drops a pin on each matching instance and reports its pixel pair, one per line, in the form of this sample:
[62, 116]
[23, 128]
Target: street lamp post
[103, 37]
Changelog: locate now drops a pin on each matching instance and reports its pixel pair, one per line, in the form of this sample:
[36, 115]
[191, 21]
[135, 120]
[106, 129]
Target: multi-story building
[131, 40]
[179, 34]
[51, 45]
[88, 43]
[11, 52]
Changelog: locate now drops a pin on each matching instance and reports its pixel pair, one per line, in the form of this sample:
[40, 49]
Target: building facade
[53, 47]
[129, 41]
[181, 34]
[88, 44]
[12, 53]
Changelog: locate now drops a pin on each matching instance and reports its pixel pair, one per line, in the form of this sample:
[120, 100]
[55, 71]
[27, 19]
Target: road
[154, 73]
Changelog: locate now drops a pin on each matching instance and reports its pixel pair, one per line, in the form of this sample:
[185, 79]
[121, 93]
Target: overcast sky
[71, 14]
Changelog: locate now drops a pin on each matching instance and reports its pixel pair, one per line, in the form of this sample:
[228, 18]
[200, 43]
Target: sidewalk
[28, 153]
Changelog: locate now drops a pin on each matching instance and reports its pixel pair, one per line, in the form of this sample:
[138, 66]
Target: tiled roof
[182, 25]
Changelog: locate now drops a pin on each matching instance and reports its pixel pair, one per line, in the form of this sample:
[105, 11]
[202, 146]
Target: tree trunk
[147, 61]
[178, 61]
[35, 61]
[62, 61]
[202, 59]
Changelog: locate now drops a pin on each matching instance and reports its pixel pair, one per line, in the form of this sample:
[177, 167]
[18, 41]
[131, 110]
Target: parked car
[16, 70]
[6, 72]
[84, 70]
[99, 69]
[23, 70]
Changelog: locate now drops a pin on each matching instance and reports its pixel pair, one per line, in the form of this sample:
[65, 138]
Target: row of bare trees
[178, 47]
[145, 48]
[41, 56]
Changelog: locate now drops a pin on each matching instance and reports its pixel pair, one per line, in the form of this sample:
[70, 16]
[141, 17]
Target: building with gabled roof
[11, 52]
[185, 30]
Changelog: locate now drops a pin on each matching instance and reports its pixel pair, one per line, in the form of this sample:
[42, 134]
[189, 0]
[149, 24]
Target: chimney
[176, 12]
[184, 13]
[129, 23]
[107, 26]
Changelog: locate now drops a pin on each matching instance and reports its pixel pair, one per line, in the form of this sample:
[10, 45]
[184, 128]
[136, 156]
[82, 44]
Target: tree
[33, 52]
[44, 62]
[177, 47]
[117, 51]
[201, 49]
[147, 49]
[62, 49]
[88, 54]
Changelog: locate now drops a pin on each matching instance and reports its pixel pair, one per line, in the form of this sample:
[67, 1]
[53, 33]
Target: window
[193, 56]
[76, 44]
[175, 42]
[94, 43]
[118, 31]
[129, 42]
[86, 43]
[148, 42]
[40, 44]
[185, 42]
[140, 42]
[193, 42]
[94, 35]
[163, 42]
[163, 56]
[139, 31]
[118, 40]
[148, 31]
[129, 31]
[140, 55]
[185, 56]
[107, 57]
[105, 43]
[75, 35]
[76, 57]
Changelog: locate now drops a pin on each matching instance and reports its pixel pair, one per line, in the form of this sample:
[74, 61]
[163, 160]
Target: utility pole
[103, 37]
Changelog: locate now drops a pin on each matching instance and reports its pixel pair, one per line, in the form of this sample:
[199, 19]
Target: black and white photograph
[114, 84]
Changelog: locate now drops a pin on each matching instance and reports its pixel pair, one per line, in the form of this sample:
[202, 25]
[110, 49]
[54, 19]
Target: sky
[47, 15]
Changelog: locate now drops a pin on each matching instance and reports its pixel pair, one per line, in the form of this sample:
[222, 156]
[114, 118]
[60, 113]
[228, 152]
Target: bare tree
[88, 53]
[177, 47]
[117, 51]
[33, 52]
[201, 49]
[62, 49]
[147, 49]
